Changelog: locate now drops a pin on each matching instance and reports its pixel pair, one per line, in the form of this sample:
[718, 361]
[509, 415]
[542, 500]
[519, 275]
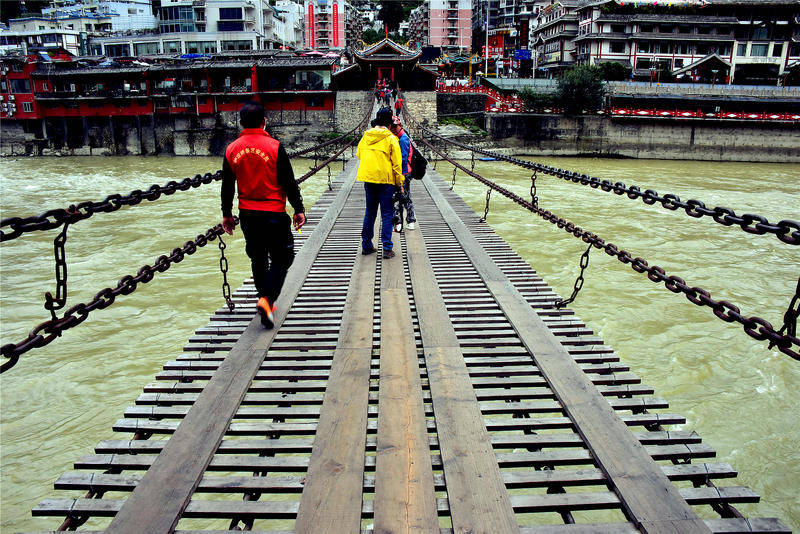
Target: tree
[534, 100]
[371, 36]
[614, 71]
[580, 88]
[391, 13]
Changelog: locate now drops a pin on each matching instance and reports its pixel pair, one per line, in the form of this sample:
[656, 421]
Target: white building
[292, 14]
[125, 15]
[203, 27]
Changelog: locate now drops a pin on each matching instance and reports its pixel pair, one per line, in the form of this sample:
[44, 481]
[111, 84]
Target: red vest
[253, 157]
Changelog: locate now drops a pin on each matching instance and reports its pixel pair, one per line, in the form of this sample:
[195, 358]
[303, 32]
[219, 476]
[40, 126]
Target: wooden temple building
[386, 60]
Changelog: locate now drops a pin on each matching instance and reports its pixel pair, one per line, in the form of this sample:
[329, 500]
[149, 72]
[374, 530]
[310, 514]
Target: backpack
[418, 163]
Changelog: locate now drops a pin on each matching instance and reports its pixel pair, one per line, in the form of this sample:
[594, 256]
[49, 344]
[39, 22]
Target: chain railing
[55, 218]
[48, 331]
[786, 230]
[755, 327]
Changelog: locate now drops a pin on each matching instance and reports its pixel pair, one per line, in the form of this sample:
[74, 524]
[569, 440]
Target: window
[678, 63]
[795, 50]
[45, 86]
[617, 47]
[741, 49]
[702, 49]
[118, 50]
[703, 30]
[684, 29]
[228, 46]
[666, 28]
[760, 33]
[723, 30]
[96, 50]
[230, 26]
[682, 48]
[172, 47]
[27, 107]
[144, 49]
[644, 47]
[642, 63]
[20, 86]
[201, 47]
[758, 50]
[230, 13]
[618, 28]
[646, 28]
[777, 50]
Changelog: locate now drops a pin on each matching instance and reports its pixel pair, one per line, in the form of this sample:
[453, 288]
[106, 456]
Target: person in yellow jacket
[380, 170]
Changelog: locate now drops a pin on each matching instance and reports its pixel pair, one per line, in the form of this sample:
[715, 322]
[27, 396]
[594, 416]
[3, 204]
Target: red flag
[385, 27]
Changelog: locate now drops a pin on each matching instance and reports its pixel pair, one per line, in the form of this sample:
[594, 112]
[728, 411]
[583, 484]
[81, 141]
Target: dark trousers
[270, 246]
[378, 195]
[403, 202]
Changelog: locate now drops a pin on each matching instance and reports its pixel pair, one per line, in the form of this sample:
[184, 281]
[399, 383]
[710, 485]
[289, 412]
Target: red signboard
[335, 24]
[310, 25]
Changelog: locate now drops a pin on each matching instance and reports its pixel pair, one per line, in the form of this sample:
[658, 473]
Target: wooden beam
[157, 503]
[404, 489]
[647, 497]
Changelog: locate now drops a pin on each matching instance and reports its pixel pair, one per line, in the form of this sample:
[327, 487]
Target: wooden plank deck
[438, 391]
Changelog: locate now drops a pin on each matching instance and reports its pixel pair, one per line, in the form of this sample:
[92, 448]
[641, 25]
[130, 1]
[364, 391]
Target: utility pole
[486, 48]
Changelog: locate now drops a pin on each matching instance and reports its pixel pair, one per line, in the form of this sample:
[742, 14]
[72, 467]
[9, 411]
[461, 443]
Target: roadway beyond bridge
[437, 391]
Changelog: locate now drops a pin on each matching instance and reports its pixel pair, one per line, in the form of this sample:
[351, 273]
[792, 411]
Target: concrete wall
[351, 106]
[422, 105]
[646, 138]
[454, 103]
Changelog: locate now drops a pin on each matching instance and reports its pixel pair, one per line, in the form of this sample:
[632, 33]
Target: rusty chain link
[60, 300]
[791, 315]
[486, 209]
[534, 196]
[46, 332]
[755, 327]
[584, 263]
[223, 267]
[787, 231]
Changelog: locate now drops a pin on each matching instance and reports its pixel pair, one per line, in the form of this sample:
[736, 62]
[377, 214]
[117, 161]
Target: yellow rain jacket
[379, 152]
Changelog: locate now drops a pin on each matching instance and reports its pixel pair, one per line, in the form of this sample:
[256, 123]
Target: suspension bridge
[447, 389]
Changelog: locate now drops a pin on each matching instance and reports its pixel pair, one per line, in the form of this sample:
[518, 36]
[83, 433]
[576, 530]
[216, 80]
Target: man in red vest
[259, 166]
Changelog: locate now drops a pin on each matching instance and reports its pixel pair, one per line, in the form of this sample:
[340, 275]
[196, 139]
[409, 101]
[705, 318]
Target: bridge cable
[57, 217]
[561, 303]
[755, 327]
[787, 231]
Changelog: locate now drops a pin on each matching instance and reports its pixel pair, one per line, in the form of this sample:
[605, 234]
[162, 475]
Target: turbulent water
[59, 401]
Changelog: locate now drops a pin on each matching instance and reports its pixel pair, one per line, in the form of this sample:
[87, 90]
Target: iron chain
[57, 217]
[534, 196]
[787, 231]
[791, 315]
[455, 170]
[46, 332]
[584, 263]
[486, 209]
[60, 300]
[755, 327]
[223, 267]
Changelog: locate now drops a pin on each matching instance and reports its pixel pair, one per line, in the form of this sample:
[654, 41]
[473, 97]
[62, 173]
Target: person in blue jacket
[403, 199]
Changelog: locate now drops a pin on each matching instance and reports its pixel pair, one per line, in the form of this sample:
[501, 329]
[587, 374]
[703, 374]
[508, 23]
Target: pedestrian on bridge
[260, 168]
[403, 197]
[380, 168]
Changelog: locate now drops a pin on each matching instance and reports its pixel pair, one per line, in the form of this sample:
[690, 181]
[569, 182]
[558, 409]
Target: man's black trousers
[270, 246]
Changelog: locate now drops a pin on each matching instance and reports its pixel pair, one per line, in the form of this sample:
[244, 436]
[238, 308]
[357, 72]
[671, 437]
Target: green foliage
[371, 36]
[614, 71]
[534, 99]
[469, 123]
[580, 88]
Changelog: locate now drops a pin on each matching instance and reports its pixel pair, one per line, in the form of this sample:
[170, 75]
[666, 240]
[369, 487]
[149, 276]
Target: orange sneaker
[266, 312]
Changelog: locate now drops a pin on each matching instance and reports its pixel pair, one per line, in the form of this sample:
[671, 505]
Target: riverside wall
[698, 139]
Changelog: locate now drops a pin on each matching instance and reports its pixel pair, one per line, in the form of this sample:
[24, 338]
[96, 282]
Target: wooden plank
[331, 500]
[404, 488]
[157, 503]
[479, 499]
[647, 496]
